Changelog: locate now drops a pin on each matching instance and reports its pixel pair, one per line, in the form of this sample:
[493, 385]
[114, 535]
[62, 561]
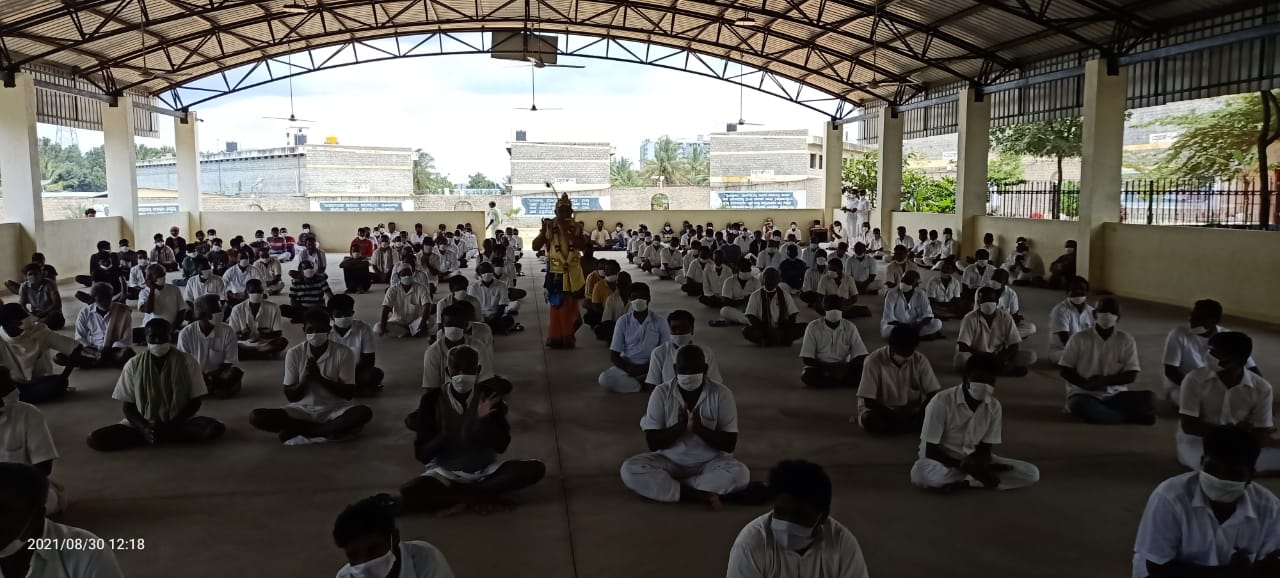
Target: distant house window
[660, 202]
[462, 206]
[819, 161]
[813, 161]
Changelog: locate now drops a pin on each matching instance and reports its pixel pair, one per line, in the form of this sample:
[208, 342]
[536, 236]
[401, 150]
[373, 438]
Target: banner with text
[361, 206]
[758, 199]
[546, 206]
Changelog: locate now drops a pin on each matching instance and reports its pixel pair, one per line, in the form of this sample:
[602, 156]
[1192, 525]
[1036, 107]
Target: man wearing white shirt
[1226, 393]
[215, 347]
[103, 329]
[1025, 267]
[989, 244]
[160, 299]
[235, 277]
[23, 494]
[494, 300]
[948, 248]
[736, 293]
[366, 532]
[989, 329]
[897, 382]
[25, 438]
[831, 349]
[798, 538]
[904, 240]
[836, 283]
[907, 306]
[862, 267]
[458, 286]
[772, 314]
[28, 350]
[899, 265]
[1186, 348]
[635, 336]
[418, 236]
[359, 338]
[406, 308]
[929, 251]
[319, 382]
[311, 253]
[505, 273]
[1098, 365]
[662, 362]
[270, 271]
[258, 324]
[1070, 316]
[698, 260]
[203, 283]
[455, 330]
[691, 428]
[1212, 522]
[978, 274]
[137, 275]
[770, 257]
[812, 276]
[855, 211]
[1007, 300]
[945, 293]
[961, 424]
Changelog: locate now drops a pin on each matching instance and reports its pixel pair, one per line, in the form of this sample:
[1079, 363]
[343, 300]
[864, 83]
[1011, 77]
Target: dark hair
[680, 315]
[372, 515]
[1209, 307]
[454, 310]
[315, 315]
[1233, 342]
[32, 268]
[342, 302]
[24, 481]
[982, 361]
[639, 285]
[1228, 444]
[902, 336]
[159, 324]
[803, 480]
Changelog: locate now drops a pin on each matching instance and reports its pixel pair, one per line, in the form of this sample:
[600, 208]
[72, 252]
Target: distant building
[324, 169]
[570, 166]
[684, 145]
[773, 161]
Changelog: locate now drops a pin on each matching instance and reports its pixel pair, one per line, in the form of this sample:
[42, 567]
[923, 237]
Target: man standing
[493, 218]
[563, 240]
[855, 211]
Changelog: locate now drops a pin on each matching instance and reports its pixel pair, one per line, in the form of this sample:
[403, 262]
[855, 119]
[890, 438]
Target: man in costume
[563, 240]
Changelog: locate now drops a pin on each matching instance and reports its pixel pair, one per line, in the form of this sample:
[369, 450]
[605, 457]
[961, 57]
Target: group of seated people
[196, 338]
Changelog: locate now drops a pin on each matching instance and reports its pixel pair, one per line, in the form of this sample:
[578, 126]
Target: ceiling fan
[537, 62]
[875, 48]
[293, 119]
[742, 121]
[146, 72]
[533, 87]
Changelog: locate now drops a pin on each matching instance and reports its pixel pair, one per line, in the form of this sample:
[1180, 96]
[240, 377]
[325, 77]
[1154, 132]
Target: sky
[461, 109]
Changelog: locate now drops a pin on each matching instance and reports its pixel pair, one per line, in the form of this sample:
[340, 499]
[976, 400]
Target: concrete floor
[249, 507]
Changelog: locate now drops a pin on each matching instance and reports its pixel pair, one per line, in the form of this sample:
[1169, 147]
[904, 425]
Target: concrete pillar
[20, 161]
[1100, 165]
[889, 179]
[187, 142]
[971, 165]
[832, 169]
[122, 159]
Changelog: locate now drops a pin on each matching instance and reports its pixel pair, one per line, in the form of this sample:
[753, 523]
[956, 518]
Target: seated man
[662, 362]
[832, 349]
[1226, 393]
[161, 391]
[615, 306]
[270, 270]
[798, 537]
[812, 276]
[735, 294]
[989, 245]
[458, 286]
[945, 294]
[961, 424]
[669, 260]
[1069, 317]
[1212, 522]
[215, 349]
[714, 277]
[235, 278]
[494, 300]
[358, 337]
[897, 382]
[875, 243]
[929, 252]
[456, 329]
[104, 267]
[601, 238]
[862, 267]
[356, 270]
[308, 289]
[258, 324]
[791, 269]
[1007, 300]
[908, 306]
[384, 259]
[635, 336]
[28, 351]
[977, 275]
[25, 437]
[23, 491]
[898, 268]
[164, 255]
[461, 430]
[989, 329]
[218, 257]
[903, 240]
[837, 284]
[204, 282]
[1024, 266]
[1098, 365]
[695, 272]
[650, 257]
[1186, 348]
[771, 314]
[103, 330]
[1063, 269]
[311, 253]
[505, 273]
[599, 294]
[137, 275]
[159, 299]
[691, 428]
[50, 274]
[319, 381]
[39, 296]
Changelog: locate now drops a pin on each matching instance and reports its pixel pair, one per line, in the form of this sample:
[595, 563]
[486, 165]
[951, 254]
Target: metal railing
[1190, 203]
[1034, 200]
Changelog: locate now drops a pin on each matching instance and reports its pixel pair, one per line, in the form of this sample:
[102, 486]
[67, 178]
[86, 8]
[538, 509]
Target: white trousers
[656, 477]
[680, 278]
[734, 315]
[1191, 448]
[513, 307]
[1024, 358]
[400, 329]
[927, 473]
[933, 326]
[1026, 329]
[617, 381]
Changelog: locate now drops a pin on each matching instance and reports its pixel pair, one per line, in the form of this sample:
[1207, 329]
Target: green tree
[66, 169]
[1216, 144]
[698, 165]
[666, 163]
[146, 153]
[479, 181]
[622, 174]
[1058, 139]
[425, 178]
[1004, 169]
[921, 193]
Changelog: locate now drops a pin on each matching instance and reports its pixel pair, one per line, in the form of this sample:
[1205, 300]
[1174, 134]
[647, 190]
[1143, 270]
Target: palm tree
[699, 165]
[667, 163]
[621, 174]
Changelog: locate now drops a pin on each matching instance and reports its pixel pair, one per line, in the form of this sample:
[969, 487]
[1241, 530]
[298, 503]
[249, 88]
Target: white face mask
[460, 295]
[1107, 320]
[771, 251]
[317, 339]
[1212, 363]
[1219, 490]
[159, 349]
[791, 535]
[820, 261]
[611, 278]
[981, 391]
[376, 568]
[255, 298]
[206, 275]
[463, 383]
[342, 322]
[487, 277]
[1200, 330]
[406, 280]
[143, 262]
[682, 340]
[981, 262]
[244, 263]
[639, 305]
[1071, 250]
[988, 308]
[689, 381]
[745, 276]
[995, 284]
[453, 333]
[309, 273]
[1079, 300]
[833, 315]
[906, 288]
[833, 274]
[159, 282]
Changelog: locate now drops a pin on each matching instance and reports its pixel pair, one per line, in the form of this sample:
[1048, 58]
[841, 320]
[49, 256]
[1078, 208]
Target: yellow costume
[562, 238]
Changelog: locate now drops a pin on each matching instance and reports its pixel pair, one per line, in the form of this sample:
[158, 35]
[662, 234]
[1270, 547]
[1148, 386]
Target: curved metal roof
[858, 51]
